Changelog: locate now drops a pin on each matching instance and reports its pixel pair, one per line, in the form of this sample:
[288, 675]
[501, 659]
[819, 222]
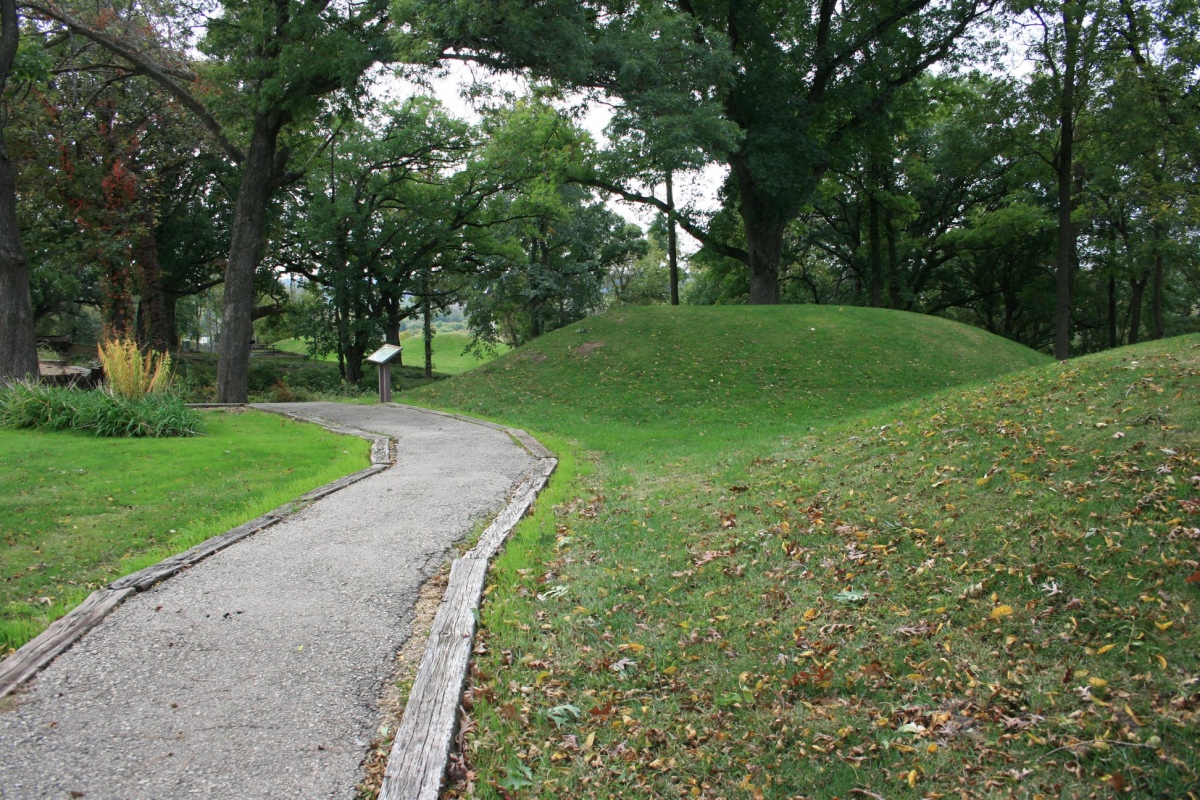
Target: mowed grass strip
[985, 592]
[77, 512]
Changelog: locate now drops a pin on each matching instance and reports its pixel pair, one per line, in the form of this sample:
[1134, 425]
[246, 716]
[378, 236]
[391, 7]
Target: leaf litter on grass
[985, 593]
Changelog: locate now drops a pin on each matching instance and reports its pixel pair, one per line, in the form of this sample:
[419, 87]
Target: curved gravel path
[257, 672]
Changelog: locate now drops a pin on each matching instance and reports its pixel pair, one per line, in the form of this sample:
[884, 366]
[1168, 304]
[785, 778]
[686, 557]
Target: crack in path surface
[258, 672]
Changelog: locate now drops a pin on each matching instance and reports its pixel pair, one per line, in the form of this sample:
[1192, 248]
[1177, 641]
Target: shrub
[57, 408]
[130, 373]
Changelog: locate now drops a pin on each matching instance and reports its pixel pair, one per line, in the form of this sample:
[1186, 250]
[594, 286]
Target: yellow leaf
[1105, 649]
[671, 670]
[931, 749]
[912, 778]
[1000, 612]
[589, 741]
[810, 615]
[982, 481]
[1162, 662]
[1097, 683]
[1162, 626]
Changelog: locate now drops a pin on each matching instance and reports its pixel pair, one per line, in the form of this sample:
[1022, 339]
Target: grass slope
[984, 591]
[666, 378]
[77, 512]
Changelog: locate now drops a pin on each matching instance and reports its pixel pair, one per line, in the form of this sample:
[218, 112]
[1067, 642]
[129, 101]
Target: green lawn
[901, 590]
[77, 511]
[448, 355]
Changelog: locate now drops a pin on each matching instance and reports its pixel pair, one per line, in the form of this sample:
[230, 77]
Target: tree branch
[164, 76]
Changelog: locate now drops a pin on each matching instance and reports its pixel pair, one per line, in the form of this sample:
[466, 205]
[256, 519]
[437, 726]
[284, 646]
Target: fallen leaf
[1000, 612]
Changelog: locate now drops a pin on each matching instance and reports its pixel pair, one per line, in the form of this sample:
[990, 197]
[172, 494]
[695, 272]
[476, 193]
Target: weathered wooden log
[422, 745]
[427, 730]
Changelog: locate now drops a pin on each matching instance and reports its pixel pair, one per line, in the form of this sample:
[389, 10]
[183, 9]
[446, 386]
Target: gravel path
[257, 672]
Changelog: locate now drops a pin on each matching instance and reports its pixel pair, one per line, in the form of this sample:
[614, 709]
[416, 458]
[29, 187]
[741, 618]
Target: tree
[773, 88]
[1065, 49]
[18, 347]
[267, 64]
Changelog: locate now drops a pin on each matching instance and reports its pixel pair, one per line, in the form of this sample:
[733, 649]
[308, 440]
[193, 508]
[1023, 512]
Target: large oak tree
[791, 79]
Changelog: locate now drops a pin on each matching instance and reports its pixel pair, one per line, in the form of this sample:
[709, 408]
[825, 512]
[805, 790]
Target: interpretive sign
[385, 354]
[384, 357]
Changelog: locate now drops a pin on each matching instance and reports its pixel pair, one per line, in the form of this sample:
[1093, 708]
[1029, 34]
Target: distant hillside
[448, 355]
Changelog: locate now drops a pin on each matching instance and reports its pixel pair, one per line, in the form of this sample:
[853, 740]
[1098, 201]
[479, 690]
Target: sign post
[383, 358]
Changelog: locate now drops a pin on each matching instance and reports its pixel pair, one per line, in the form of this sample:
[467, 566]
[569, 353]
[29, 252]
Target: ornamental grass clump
[132, 374]
[60, 408]
[135, 402]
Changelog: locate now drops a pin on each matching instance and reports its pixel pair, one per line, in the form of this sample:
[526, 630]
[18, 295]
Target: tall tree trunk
[428, 311]
[764, 237]
[1156, 294]
[874, 237]
[152, 321]
[896, 281]
[249, 221]
[18, 345]
[672, 257]
[1112, 310]
[1137, 289]
[171, 319]
[1066, 163]
[356, 351]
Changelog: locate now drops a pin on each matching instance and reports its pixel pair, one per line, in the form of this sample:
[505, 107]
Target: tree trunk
[18, 345]
[764, 238]
[672, 257]
[246, 245]
[874, 241]
[1156, 296]
[1112, 310]
[896, 282]
[428, 338]
[152, 321]
[1137, 289]
[1066, 232]
[170, 319]
[355, 353]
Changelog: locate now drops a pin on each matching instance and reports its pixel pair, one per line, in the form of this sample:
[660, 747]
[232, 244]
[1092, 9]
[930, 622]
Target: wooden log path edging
[422, 745]
[36, 654]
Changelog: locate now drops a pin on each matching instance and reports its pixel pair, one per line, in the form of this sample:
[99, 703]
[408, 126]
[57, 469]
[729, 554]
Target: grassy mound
[987, 591]
[665, 377]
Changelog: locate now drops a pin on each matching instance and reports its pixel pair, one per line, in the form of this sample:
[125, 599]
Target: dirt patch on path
[587, 347]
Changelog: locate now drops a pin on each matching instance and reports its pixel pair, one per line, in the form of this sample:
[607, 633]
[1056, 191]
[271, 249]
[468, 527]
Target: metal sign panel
[385, 354]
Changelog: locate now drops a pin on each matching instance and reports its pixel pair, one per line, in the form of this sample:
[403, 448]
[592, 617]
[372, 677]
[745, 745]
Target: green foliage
[77, 512]
[56, 408]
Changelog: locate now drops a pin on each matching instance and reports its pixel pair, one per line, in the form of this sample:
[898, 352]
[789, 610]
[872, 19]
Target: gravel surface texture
[257, 672]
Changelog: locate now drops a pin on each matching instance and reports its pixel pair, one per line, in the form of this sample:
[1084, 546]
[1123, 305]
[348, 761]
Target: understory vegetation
[77, 512]
[290, 377]
[982, 590]
[60, 408]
